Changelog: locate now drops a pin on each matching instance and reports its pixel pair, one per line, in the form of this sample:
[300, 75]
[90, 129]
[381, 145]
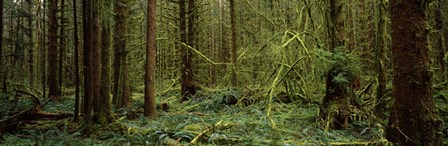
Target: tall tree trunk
[224, 52]
[414, 119]
[187, 87]
[150, 65]
[61, 47]
[2, 67]
[105, 109]
[337, 24]
[438, 15]
[444, 6]
[381, 47]
[96, 57]
[118, 41]
[87, 59]
[43, 52]
[76, 60]
[53, 49]
[31, 46]
[234, 43]
[121, 91]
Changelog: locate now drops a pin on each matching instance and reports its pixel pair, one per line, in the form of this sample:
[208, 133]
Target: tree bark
[96, 57]
[150, 65]
[119, 11]
[234, 43]
[413, 119]
[439, 17]
[87, 101]
[61, 47]
[2, 67]
[337, 24]
[104, 114]
[380, 61]
[52, 50]
[187, 87]
[76, 61]
[120, 92]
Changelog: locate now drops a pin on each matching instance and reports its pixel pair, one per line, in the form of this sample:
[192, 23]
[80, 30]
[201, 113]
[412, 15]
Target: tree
[121, 88]
[413, 119]
[105, 110]
[96, 57]
[439, 38]
[61, 46]
[1, 42]
[150, 64]
[87, 59]
[380, 58]
[52, 50]
[76, 60]
[187, 87]
[234, 46]
[339, 96]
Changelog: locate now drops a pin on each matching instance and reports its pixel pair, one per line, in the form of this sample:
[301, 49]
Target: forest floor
[207, 119]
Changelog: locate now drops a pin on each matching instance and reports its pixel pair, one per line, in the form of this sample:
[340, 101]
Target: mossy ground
[204, 120]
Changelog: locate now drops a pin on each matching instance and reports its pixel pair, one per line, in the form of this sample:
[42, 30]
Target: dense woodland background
[225, 72]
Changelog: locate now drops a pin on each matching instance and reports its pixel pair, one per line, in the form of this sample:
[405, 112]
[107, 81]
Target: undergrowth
[207, 119]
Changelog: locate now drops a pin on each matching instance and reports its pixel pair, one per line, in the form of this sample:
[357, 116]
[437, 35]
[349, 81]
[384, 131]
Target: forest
[224, 72]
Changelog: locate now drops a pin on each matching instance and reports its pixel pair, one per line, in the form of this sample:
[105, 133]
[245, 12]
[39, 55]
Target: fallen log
[34, 112]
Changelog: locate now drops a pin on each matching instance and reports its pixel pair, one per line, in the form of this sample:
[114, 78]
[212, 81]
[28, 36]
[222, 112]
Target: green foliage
[207, 113]
[340, 59]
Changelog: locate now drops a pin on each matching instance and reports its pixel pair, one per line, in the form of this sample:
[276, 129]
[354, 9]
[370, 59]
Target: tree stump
[336, 106]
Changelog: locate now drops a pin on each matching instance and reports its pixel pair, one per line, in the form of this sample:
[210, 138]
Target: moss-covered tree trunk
[150, 65]
[104, 115]
[339, 97]
[234, 44]
[335, 108]
[2, 68]
[439, 40]
[96, 57]
[121, 89]
[187, 87]
[380, 61]
[413, 119]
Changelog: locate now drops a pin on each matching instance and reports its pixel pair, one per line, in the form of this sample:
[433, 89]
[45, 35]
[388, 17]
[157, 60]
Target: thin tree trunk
[61, 47]
[234, 43]
[150, 65]
[76, 44]
[2, 67]
[438, 15]
[413, 119]
[52, 50]
[43, 51]
[381, 47]
[191, 36]
[31, 47]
